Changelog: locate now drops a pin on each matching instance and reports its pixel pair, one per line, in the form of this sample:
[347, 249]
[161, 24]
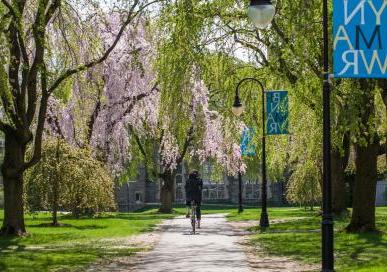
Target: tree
[368, 147]
[112, 97]
[184, 97]
[209, 137]
[32, 75]
[68, 178]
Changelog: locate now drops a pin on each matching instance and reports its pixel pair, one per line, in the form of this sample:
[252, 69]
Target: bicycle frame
[193, 216]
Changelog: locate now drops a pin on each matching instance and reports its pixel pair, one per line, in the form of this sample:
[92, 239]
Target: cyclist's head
[194, 174]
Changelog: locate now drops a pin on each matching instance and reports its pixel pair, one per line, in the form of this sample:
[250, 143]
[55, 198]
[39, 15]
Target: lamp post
[240, 207]
[261, 13]
[327, 218]
[237, 109]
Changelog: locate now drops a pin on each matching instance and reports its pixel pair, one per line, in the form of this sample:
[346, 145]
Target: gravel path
[214, 248]
[218, 246]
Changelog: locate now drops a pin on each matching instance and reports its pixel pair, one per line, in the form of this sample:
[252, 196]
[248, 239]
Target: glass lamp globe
[237, 110]
[261, 12]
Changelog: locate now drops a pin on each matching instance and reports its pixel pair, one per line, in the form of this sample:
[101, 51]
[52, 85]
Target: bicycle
[193, 216]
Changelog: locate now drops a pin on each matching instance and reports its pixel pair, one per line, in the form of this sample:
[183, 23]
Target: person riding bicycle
[193, 192]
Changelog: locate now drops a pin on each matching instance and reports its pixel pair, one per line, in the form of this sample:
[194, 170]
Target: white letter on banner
[360, 7]
[277, 98]
[375, 57]
[272, 122]
[354, 63]
[276, 102]
[378, 14]
[273, 128]
[343, 37]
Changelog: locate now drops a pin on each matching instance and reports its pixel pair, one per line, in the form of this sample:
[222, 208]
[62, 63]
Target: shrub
[68, 178]
[304, 187]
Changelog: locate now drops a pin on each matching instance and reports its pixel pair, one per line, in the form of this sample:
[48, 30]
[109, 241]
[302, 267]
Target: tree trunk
[13, 222]
[363, 214]
[339, 162]
[167, 191]
[55, 201]
[338, 184]
[55, 183]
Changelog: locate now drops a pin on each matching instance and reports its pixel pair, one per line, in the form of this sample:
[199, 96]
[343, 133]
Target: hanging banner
[360, 38]
[247, 146]
[277, 112]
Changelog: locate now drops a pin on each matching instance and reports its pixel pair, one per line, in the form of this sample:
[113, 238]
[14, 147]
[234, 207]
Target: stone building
[136, 194]
[381, 193]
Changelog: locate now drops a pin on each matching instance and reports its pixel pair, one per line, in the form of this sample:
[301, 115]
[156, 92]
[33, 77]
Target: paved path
[214, 248]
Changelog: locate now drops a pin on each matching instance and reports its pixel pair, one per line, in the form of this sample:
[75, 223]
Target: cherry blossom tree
[208, 136]
[37, 67]
[113, 98]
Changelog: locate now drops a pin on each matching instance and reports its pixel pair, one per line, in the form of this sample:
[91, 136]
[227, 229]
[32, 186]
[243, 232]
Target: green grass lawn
[298, 236]
[75, 246]
[83, 242]
[294, 233]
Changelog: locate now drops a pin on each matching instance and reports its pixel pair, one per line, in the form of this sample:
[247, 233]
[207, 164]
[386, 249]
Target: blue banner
[360, 38]
[277, 112]
[247, 145]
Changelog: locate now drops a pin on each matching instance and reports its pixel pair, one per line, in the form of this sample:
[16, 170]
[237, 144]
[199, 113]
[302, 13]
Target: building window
[179, 179]
[138, 197]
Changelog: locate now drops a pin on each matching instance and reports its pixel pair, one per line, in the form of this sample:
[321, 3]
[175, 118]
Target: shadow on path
[214, 249]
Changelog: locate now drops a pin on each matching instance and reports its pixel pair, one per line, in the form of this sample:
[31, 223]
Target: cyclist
[193, 192]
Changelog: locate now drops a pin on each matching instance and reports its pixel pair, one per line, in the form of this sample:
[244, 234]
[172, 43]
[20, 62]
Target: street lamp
[261, 12]
[237, 109]
[327, 218]
[240, 198]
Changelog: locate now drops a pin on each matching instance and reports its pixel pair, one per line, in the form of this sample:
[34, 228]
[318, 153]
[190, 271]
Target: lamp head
[261, 12]
[237, 107]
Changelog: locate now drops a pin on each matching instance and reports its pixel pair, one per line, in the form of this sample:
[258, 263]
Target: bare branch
[40, 123]
[383, 149]
[39, 33]
[140, 146]
[286, 40]
[187, 143]
[131, 15]
[132, 104]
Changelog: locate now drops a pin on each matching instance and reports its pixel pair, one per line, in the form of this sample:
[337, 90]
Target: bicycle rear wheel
[193, 218]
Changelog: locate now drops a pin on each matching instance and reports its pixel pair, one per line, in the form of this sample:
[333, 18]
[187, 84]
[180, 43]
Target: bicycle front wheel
[193, 219]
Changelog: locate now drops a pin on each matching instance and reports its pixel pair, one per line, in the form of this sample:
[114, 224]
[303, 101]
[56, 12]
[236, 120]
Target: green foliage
[77, 244]
[64, 92]
[304, 187]
[289, 57]
[68, 178]
[179, 58]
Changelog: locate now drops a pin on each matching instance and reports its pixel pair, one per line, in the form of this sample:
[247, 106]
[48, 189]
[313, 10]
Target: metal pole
[327, 219]
[240, 208]
[264, 221]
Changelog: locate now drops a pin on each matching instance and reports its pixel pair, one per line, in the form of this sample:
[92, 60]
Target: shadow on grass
[17, 257]
[51, 225]
[89, 227]
[301, 240]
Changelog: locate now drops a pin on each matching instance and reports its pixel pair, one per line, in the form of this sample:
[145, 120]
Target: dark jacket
[193, 189]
